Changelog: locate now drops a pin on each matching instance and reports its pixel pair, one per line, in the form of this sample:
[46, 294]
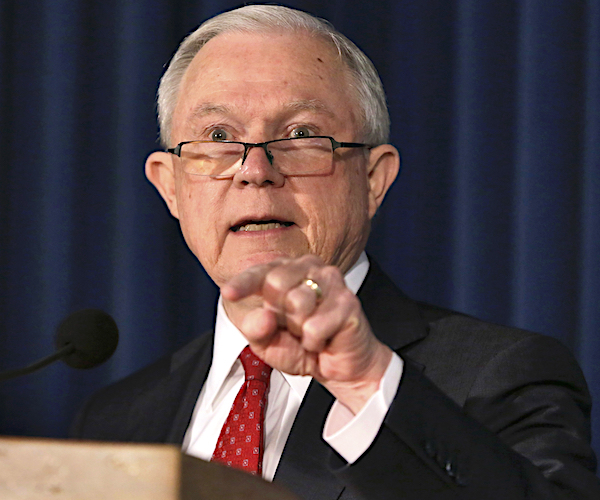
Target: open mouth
[260, 225]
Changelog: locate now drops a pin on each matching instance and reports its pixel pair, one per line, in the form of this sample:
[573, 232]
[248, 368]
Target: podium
[44, 469]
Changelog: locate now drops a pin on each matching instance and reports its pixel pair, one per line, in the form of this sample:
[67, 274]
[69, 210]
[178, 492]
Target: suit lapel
[194, 359]
[394, 318]
[304, 465]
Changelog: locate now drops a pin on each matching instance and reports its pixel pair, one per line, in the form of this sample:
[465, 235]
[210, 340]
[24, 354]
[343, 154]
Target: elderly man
[275, 128]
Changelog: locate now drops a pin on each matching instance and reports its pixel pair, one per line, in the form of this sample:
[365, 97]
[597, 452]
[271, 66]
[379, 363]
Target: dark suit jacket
[482, 412]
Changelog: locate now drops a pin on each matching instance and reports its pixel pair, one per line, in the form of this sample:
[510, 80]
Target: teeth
[261, 227]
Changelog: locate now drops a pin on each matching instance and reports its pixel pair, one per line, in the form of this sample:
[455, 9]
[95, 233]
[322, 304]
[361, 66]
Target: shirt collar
[357, 274]
[229, 341]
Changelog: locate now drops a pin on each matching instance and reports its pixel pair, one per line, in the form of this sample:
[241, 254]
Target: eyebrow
[210, 108]
[312, 105]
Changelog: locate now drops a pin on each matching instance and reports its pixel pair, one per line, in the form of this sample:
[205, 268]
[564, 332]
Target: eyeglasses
[293, 156]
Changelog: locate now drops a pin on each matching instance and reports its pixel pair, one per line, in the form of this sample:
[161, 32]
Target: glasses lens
[211, 158]
[303, 155]
[297, 156]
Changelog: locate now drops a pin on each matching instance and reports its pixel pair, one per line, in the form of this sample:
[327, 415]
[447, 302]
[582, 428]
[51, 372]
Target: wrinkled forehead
[273, 54]
[300, 66]
[289, 43]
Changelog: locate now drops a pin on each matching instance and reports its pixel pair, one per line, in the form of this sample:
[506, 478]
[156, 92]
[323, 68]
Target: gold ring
[314, 286]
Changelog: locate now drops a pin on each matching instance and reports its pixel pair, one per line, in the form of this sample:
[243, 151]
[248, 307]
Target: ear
[160, 172]
[384, 165]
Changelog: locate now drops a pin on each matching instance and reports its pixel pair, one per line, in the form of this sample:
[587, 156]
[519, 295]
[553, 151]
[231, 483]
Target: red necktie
[240, 443]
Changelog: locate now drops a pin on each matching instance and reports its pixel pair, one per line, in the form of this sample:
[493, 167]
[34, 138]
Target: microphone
[84, 339]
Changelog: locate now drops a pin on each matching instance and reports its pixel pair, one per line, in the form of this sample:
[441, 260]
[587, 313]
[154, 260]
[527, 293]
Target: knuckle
[348, 299]
[349, 303]
[312, 330]
[311, 337]
[293, 299]
[275, 278]
[353, 321]
[311, 261]
[332, 273]
[311, 257]
[278, 261]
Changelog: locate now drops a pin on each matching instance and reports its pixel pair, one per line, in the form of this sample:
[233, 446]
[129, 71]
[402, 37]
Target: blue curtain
[495, 106]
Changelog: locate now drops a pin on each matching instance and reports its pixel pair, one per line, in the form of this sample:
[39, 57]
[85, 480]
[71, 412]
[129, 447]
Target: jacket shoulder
[143, 405]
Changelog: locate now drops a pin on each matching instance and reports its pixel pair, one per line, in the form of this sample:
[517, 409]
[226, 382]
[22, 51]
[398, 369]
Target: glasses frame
[249, 145]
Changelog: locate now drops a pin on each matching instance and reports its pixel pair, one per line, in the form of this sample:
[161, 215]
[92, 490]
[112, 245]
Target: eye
[301, 132]
[218, 134]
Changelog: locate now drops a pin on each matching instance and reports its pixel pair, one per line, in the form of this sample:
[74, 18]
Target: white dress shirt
[348, 434]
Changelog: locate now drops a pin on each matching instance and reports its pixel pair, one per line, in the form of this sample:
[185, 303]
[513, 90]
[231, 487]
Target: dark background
[495, 106]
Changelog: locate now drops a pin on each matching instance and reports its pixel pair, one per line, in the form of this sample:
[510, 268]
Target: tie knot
[255, 368]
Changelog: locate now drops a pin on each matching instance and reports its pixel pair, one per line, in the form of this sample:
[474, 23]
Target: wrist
[355, 394]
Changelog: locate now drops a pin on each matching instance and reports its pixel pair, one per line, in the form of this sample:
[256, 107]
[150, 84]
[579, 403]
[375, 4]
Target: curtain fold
[495, 107]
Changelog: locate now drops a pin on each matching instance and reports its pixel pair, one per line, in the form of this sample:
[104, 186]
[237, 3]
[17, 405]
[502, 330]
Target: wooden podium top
[46, 469]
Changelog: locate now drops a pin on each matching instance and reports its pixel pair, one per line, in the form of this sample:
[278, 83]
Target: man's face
[254, 88]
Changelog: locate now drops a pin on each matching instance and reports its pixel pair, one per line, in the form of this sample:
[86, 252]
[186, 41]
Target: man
[370, 397]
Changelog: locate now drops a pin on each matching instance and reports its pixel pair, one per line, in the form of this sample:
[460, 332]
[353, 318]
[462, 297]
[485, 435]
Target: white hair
[364, 80]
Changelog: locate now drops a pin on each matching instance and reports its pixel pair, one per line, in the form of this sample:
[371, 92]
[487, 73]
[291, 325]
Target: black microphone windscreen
[93, 334]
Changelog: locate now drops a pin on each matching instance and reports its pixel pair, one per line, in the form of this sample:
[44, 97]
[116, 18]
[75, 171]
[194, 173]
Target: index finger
[248, 282]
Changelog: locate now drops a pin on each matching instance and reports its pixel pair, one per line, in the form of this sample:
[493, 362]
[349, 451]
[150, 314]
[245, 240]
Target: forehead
[258, 73]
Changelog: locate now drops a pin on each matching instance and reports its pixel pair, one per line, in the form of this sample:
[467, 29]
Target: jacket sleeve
[523, 433]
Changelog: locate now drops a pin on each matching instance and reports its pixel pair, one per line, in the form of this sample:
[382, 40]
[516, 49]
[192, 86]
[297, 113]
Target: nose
[257, 170]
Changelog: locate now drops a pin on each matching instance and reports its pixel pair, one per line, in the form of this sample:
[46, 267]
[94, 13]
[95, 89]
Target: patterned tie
[240, 443]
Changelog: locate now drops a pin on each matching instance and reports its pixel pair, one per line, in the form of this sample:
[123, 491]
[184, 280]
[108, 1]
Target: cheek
[197, 211]
[351, 194]
[186, 203]
[339, 209]
[196, 197]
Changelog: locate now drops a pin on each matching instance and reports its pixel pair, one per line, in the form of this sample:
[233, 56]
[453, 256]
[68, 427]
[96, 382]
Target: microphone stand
[64, 351]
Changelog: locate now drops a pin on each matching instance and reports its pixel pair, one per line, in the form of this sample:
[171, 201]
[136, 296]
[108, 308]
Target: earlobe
[160, 172]
[384, 165]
